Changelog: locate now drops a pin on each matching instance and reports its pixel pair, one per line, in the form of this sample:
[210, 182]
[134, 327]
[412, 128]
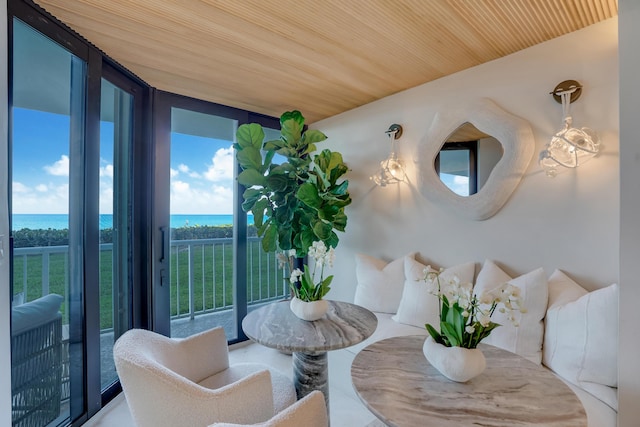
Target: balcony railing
[201, 276]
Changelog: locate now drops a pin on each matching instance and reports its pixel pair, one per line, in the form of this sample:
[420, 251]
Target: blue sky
[201, 168]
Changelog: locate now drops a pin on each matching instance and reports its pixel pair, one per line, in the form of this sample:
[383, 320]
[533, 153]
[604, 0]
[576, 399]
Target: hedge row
[29, 238]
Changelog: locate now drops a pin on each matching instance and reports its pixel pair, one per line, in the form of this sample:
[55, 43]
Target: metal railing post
[45, 273]
[191, 288]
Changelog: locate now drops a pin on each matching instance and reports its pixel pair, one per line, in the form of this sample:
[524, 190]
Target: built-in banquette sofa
[567, 329]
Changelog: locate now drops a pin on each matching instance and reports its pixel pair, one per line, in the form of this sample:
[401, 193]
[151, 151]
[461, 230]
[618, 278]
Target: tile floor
[346, 408]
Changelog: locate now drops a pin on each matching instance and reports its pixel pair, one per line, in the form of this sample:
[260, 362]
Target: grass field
[212, 278]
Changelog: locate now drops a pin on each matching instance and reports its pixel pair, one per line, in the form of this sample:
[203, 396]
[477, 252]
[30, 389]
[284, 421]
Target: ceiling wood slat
[321, 57]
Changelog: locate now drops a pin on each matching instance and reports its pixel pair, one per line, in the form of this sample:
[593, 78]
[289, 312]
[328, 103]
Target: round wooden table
[394, 380]
[275, 326]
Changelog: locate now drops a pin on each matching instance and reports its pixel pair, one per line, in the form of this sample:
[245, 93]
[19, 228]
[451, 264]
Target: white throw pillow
[581, 334]
[380, 283]
[525, 339]
[418, 306]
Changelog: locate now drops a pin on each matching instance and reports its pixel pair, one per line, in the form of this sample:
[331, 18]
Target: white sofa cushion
[525, 339]
[598, 414]
[387, 328]
[585, 324]
[380, 283]
[418, 306]
[35, 313]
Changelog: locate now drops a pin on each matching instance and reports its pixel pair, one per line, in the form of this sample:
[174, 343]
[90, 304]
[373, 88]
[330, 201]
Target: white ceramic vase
[456, 363]
[310, 311]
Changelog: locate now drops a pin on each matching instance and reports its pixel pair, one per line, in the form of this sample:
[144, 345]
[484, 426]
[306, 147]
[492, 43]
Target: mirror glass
[466, 159]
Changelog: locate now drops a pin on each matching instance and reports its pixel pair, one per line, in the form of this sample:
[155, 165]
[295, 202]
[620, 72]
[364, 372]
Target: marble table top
[343, 325]
[394, 380]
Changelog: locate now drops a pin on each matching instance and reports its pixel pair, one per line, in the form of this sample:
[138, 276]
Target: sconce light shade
[391, 169]
[570, 147]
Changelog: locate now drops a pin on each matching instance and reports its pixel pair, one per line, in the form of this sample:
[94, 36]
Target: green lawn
[212, 278]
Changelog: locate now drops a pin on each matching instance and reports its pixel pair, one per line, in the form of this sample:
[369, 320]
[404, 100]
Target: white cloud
[214, 200]
[59, 168]
[55, 198]
[106, 171]
[221, 168]
[187, 170]
[173, 173]
[106, 199]
[18, 187]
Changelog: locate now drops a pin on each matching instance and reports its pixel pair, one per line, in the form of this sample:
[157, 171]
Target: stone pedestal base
[310, 372]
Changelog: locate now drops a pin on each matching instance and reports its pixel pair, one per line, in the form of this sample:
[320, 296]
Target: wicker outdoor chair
[36, 367]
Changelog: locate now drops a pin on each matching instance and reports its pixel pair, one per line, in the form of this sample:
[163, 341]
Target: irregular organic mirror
[513, 134]
[466, 159]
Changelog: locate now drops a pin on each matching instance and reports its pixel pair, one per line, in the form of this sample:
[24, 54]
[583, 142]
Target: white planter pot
[456, 363]
[310, 311]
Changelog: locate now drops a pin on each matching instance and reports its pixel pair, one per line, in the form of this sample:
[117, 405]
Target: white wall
[629, 373]
[569, 222]
[5, 348]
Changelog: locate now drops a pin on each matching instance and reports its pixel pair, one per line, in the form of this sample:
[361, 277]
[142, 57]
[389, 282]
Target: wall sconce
[391, 169]
[570, 147]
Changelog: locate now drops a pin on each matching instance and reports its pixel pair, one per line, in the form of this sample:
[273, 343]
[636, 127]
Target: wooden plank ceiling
[322, 57]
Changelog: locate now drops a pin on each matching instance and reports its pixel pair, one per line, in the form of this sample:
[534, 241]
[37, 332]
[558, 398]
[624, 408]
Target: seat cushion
[387, 328]
[35, 313]
[284, 393]
[599, 414]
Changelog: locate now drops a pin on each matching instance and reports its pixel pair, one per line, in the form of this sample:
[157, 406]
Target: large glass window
[201, 222]
[116, 140]
[113, 228]
[48, 113]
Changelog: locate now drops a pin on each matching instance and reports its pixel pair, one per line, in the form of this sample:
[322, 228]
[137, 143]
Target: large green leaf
[250, 196]
[250, 135]
[258, 211]
[312, 136]
[340, 190]
[340, 221]
[269, 239]
[308, 194]
[328, 212]
[294, 115]
[250, 158]
[267, 161]
[251, 177]
[274, 145]
[284, 237]
[322, 229]
[337, 172]
[291, 131]
[278, 182]
[332, 240]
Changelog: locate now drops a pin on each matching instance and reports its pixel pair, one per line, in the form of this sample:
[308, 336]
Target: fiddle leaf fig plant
[300, 200]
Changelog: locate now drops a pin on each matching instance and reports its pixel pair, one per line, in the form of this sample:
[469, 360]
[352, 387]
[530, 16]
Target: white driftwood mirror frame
[513, 133]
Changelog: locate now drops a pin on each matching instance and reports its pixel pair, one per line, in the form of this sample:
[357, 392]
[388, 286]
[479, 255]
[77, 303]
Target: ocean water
[61, 221]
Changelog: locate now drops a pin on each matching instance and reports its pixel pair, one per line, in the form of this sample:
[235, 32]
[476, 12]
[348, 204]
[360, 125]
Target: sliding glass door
[201, 222]
[47, 164]
[116, 142]
[79, 219]
[210, 268]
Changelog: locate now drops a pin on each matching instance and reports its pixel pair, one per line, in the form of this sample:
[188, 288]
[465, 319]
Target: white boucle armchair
[171, 382]
[310, 411]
